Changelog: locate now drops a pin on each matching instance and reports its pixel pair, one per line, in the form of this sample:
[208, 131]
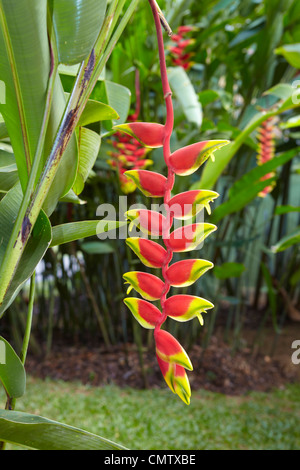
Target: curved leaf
[287, 241]
[41, 433]
[88, 145]
[67, 233]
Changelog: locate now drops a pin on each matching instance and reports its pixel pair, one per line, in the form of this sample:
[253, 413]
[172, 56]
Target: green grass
[157, 419]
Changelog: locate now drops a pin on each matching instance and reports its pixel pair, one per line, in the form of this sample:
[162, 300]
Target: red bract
[186, 307]
[150, 183]
[170, 350]
[186, 205]
[187, 160]
[172, 358]
[186, 272]
[150, 253]
[188, 238]
[176, 378]
[149, 222]
[150, 287]
[149, 134]
[145, 313]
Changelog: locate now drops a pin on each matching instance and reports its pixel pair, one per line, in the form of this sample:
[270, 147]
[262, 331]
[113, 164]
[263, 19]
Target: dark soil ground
[263, 367]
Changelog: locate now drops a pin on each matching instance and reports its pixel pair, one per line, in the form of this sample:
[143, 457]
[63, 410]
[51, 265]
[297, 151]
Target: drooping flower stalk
[171, 357]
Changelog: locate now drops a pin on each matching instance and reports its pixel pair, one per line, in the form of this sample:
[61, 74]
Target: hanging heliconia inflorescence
[172, 358]
[128, 153]
[266, 150]
[180, 53]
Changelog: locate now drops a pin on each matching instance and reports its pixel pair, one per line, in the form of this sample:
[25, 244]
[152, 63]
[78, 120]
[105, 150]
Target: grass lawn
[157, 419]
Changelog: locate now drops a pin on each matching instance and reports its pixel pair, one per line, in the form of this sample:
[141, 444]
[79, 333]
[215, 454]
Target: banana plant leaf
[77, 24]
[36, 432]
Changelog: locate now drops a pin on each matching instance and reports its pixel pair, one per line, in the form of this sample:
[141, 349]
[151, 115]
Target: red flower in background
[266, 150]
[128, 152]
[180, 53]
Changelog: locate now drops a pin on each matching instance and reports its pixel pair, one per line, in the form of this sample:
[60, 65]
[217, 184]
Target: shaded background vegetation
[238, 53]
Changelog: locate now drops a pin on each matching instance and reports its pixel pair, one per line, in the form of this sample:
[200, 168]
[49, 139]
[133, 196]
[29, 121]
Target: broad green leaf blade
[287, 241]
[35, 249]
[186, 95]
[12, 372]
[77, 24]
[89, 145]
[24, 68]
[67, 233]
[41, 433]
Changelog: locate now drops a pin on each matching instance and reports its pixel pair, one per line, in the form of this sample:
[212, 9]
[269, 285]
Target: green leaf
[35, 249]
[24, 68]
[286, 209]
[95, 112]
[185, 94]
[227, 270]
[117, 97]
[41, 433]
[247, 188]
[89, 145]
[96, 248]
[73, 198]
[77, 24]
[291, 52]
[208, 96]
[66, 233]
[223, 156]
[287, 241]
[8, 171]
[12, 372]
